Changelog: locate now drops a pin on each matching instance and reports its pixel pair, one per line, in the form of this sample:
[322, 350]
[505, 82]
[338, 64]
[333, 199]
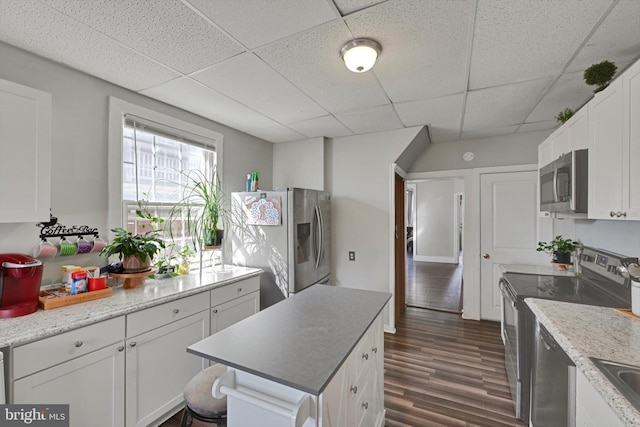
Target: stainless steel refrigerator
[285, 233]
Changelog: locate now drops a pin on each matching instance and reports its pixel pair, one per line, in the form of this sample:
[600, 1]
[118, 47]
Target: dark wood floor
[434, 285]
[441, 370]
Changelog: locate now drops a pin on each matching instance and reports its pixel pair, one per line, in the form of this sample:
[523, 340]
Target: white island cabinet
[313, 360]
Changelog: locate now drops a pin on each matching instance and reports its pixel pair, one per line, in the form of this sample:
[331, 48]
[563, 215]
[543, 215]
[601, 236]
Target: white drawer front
[234, 290]
[160, 315]
[42, 354]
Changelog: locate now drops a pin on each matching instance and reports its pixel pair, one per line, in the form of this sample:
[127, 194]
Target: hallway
[434, 285]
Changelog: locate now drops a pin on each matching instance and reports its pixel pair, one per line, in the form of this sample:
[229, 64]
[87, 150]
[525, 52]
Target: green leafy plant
[564, 115]
[126, 244]
[558, 244]
[600, 74]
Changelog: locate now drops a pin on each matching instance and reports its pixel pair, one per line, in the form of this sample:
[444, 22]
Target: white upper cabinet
[614, 149]
[578, 130]
[25, 153]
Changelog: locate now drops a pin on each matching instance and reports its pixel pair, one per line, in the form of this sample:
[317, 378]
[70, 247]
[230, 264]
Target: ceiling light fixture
[360, 55]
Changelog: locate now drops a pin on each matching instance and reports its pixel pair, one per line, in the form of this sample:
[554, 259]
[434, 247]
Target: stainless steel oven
[599, 284]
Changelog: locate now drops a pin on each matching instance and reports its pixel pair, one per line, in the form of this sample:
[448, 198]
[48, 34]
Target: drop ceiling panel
[349, 6]
[488, 133]
[312, 62]
[425, 46]
[617, 39]
[165, 30]
[277, 134]
[570, 91]
[250, 81]
[321, 126]
[372, 120]
[193, 96]
[442, 115]
[255, 23]
[35, 27]
[525, 40]
[503, 106]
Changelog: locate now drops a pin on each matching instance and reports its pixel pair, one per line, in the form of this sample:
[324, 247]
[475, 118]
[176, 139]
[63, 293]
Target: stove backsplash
[621, 237]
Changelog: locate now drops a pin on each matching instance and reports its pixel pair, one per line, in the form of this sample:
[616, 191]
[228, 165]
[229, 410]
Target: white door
[508, 231]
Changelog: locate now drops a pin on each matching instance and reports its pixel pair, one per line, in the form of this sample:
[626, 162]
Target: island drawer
[234, 290]
[151, 318]
[47, 352]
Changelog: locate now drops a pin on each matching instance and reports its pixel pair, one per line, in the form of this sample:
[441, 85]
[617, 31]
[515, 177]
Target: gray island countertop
[585, 331]
[300, 342]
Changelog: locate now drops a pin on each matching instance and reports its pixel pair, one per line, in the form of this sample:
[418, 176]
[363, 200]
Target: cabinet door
[560, 143]
[335, 398]
[228, 313]
[605, 152]
[93, 386]
[631, 133]
[25, 153]
[545, 152]
[158, 367]
[578, 130]
[591, 409]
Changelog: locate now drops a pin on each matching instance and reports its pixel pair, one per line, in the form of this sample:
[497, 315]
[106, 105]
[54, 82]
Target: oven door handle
[505, 292]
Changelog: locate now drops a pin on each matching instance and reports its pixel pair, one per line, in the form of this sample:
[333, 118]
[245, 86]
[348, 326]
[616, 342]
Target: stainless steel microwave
[563, 183]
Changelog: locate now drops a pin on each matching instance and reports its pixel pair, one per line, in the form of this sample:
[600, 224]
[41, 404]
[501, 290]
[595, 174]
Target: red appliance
[20, 278]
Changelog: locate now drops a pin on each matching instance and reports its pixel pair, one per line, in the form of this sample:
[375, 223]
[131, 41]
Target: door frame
[471, 235]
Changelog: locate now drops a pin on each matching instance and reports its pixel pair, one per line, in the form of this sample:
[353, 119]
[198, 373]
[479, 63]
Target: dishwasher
[553, 392]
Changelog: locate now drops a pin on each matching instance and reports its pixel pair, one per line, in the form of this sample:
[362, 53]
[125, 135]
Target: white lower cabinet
[591, 409]
[158, 367]
[226, 314]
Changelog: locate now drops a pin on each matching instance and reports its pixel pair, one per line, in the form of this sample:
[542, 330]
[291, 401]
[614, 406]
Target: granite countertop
[300, 342]
[585, 331]
[545, 270]
[44, 323]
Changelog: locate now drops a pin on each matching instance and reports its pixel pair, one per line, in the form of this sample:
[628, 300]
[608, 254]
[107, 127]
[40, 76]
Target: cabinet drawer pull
[121, 348]
[132, 344]
[612, 214]
[365, 405]
[374, 350]
[239, 289]
[215, 310]
[365, 356]
[78, 344]
[624, 214]
[354, 389]
[176, 311]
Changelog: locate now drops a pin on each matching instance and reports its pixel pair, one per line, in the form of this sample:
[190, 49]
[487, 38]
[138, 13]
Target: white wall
[299, 164]
[435, 221]
[506, 150]
[79, 149]
[621, 237]
[358, 169]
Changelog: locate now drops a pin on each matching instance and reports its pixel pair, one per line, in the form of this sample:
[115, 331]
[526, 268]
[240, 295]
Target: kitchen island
[585, 331]
[315, 359]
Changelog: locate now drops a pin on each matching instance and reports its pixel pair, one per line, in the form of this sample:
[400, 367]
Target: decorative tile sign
[263, 210]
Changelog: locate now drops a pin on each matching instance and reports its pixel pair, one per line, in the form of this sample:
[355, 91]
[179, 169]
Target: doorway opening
[434, 252]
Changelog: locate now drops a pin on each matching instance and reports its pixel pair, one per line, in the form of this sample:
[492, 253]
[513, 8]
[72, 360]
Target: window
[149, 153]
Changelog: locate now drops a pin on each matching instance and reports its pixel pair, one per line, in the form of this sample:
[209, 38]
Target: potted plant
[134, 250]
[185, 253]
[600, 74]
[564, 115]
[559, 248]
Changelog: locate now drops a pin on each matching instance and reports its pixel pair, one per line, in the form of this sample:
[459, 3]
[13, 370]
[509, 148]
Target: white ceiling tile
[617, 39]
[193, 96]
[372, 120]
[35, 27]
[255, 23]
[502, 106]
[321, 126]
[525, 40]
[250, 81]
[486, 133]
[312, 62]
[277, 134]
[349, 6]
[536, 126]
[442, 115]
[570, 91]
[425, 46]
[165, 30]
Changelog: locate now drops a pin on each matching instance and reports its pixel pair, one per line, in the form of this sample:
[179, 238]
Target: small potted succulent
[559, 248]
[564, 115]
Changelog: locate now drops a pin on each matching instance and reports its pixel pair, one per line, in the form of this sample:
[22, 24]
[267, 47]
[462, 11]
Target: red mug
[97, 283]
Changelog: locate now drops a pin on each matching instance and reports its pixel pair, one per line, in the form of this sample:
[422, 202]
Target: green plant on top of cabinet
[600, 74]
